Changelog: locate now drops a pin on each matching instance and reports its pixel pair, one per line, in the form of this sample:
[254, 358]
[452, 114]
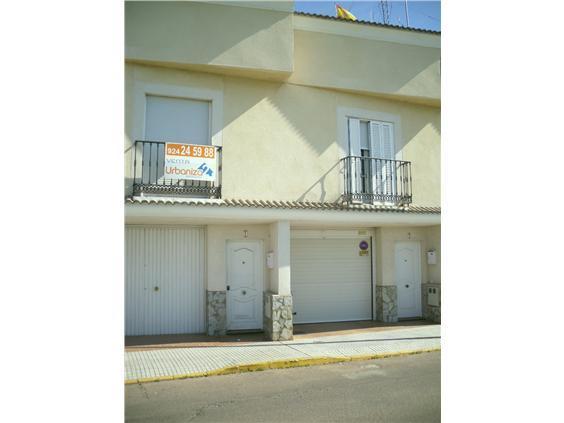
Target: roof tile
[307, 205]
[333, 18]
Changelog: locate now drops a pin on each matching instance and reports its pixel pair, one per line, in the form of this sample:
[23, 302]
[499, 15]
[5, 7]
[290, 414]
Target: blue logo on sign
[205, 169]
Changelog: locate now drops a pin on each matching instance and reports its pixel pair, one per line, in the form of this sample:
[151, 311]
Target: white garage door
[331, 282]
[164, 280]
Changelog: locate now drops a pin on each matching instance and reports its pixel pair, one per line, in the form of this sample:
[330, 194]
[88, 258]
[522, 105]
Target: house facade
[315, 195]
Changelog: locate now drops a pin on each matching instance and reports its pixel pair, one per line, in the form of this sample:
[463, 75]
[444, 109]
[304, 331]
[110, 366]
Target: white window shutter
[382, 142]
[375, 151]
[388, 151]
[354, 150]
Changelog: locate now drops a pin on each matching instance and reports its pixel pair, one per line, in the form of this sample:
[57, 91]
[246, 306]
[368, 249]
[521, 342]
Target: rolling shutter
[331, 282]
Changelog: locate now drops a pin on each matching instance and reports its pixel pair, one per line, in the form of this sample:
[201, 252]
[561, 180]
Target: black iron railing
[148, 174]
[370, 180]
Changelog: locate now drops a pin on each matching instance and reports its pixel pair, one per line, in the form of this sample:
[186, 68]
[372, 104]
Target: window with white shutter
[171, 119]
[354, 152]
[371, 167]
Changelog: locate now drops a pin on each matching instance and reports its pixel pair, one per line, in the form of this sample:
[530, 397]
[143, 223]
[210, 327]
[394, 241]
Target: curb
[277, 364]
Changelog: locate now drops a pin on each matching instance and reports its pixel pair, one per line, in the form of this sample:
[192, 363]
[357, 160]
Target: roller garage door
[164, 280]
[331, 280]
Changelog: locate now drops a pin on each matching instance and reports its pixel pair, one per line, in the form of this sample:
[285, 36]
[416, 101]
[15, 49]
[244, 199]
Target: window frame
[343, 115]
[215, 97]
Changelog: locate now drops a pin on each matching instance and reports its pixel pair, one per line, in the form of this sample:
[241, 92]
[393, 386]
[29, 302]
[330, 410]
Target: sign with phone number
[189, 161]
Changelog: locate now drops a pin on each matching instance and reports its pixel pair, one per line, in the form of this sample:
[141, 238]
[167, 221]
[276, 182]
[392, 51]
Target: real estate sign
[188, 161]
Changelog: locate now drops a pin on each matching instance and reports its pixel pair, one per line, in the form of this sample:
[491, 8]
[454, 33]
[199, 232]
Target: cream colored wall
[139, 75]
[129, 127]
[385, 239]
[434, 243]
[209, 34]
[281, 141]
[217, 237]
[420, 141]
[289, 133]
[366, 65]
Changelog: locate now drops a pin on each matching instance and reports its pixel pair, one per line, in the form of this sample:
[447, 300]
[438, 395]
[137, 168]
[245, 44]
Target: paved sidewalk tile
[186, 361]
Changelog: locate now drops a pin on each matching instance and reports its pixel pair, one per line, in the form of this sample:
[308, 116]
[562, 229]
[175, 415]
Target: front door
[244, 285]
[408, 279]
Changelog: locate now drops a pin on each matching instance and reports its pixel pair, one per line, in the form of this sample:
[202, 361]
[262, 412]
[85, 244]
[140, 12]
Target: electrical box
[270, 260]
[431, 257]
[433, 296]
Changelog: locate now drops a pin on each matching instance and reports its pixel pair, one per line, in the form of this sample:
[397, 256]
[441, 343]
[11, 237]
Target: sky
[422, 14]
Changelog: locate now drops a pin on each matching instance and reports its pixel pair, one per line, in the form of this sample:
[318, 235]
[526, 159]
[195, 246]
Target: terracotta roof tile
[333, 18]
[285, 205]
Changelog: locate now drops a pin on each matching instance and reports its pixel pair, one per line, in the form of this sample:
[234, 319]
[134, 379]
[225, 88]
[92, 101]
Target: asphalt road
[400, 389]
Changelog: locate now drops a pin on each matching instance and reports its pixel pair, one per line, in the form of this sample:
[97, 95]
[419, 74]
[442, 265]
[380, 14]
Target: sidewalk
[177, 363]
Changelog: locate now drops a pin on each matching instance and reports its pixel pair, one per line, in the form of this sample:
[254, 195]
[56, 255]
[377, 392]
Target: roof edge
[303, 205]
[368, 23]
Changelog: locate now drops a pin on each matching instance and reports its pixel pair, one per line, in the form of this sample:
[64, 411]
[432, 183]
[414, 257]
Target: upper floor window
[177, 119]
[372, 166]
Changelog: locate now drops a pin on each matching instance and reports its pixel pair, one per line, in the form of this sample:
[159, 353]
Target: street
[399, 389]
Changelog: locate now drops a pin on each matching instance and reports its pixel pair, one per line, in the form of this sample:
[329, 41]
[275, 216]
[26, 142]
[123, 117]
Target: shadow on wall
[128, 154]
[319, 186]
[202, 32]
[304, 120]
[365, 65]
[306, 114]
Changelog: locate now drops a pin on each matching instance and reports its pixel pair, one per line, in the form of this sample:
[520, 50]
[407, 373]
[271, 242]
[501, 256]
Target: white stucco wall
[282, 141]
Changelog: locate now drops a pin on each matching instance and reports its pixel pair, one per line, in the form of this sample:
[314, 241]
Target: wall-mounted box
[433, 296]
[270, 260]
[431, 257]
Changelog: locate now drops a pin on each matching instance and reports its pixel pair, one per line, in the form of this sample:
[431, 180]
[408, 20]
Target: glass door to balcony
[371, 165]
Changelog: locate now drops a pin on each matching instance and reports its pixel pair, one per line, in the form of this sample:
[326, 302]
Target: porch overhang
[167, 211]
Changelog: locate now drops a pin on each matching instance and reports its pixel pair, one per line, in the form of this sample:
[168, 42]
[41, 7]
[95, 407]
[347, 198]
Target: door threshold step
[243, 331]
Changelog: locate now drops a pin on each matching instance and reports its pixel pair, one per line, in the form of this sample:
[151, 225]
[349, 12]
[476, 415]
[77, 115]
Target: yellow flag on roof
[344, 13]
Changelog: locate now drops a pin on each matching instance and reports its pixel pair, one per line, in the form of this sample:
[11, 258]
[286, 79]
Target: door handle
[244, 292]
[228, 287]
[156, 288]
[407, 286]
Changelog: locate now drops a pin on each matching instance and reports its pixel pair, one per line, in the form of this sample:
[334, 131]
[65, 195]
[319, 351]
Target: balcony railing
[372, 180]
[148, 174]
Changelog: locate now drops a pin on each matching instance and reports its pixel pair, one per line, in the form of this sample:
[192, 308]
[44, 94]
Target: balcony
[149, 170]
[372, 180]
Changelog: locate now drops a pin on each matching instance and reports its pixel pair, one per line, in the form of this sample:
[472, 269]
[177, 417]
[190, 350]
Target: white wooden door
[245, 285]
[164, 280]
[331, 281]
[408, 278]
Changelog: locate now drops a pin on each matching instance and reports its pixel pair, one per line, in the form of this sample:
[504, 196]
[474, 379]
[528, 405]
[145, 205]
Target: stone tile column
[277, 300]
[387, 303]
[277, 322]
[217, 312]
[431, 313]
